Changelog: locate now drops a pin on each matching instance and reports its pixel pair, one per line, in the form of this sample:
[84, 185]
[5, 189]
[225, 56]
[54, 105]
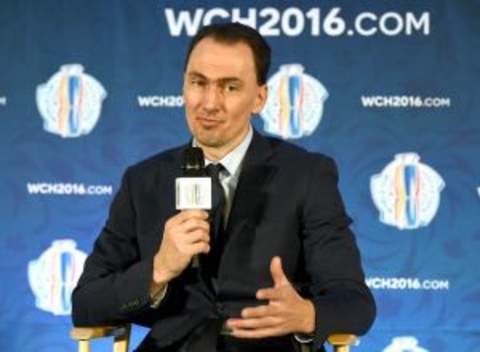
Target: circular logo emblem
[294, 106]
[70, 102]
[54, 275]
[406, 192]
[404, 344]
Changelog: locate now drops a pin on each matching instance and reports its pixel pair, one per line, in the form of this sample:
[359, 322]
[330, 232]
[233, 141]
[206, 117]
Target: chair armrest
[93, 332]
[120, 334]
[342, 342]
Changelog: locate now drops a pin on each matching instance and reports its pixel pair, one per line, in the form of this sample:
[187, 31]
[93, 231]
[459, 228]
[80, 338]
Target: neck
[216, 153]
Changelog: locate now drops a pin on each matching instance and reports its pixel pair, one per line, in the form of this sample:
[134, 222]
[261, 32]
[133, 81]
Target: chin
[207, 135]
[208, 140]
[211, 143]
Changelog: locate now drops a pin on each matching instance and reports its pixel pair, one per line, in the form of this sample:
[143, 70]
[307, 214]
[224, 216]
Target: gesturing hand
[286, 312]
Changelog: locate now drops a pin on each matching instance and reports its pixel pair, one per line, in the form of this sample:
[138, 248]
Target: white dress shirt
[232, 163]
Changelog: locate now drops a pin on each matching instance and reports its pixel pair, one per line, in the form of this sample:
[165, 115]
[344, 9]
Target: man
[282, 266]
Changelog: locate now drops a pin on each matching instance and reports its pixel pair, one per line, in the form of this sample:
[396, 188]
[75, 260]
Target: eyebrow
[220, 80]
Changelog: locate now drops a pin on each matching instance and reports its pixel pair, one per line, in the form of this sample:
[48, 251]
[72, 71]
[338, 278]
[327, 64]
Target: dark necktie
[216, 218]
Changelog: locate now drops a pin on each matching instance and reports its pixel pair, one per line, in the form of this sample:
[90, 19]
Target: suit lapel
[250, 196]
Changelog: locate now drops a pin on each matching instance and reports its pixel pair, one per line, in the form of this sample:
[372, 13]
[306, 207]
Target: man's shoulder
[287, 151]
[164, 159]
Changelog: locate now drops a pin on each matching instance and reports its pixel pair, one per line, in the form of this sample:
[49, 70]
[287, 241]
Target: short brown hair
[232, 33]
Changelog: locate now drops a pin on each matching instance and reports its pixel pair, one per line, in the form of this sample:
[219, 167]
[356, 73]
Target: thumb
[278, 276]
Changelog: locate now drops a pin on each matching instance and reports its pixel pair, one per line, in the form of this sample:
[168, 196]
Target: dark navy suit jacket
[286, 204]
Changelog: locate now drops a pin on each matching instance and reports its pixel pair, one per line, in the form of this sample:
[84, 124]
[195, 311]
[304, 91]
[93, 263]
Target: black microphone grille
[193, 162]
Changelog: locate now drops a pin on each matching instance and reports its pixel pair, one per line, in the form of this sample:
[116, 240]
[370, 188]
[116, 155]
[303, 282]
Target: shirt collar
[231, 162]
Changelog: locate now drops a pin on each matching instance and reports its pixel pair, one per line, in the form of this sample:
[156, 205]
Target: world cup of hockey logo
[70, 102]
[54, 275]
[294, 106]
[406, 192]
[404, 344]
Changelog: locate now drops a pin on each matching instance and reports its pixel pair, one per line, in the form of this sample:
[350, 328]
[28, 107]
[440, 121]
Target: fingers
[199, 247]
[193, 224]
[188, 227]
[278, 276]
[194, 237]
[185, 235]
[263, 321]
[271, 294]
[258, 312]
[258, 333]
[196, 213]
[278, 317]
[254, 323]
[186, 215]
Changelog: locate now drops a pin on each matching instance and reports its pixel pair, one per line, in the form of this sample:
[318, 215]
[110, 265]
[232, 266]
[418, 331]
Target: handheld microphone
[194, 189]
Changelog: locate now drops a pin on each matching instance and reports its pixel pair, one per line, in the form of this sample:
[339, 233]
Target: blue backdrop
[388, 88]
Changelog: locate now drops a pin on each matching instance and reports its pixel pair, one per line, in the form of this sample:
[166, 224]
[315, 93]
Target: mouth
[208, 122]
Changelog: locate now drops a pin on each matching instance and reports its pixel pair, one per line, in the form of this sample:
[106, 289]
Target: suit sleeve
[114, 285]
[343, 303]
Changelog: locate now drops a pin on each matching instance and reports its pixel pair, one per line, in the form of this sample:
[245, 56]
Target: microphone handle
[196, 258]
[195, 262]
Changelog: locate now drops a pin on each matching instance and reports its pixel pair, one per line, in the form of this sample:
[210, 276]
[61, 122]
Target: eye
[197, 82]
[231, 87]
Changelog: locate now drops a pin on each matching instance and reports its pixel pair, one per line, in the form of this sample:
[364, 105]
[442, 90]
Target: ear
[183, 84]
[260, 99]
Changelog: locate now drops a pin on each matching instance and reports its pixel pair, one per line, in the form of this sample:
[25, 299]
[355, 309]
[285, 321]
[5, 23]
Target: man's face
[221, 93]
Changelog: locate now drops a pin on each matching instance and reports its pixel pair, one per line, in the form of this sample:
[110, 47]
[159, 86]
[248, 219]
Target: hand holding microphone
[186, 234]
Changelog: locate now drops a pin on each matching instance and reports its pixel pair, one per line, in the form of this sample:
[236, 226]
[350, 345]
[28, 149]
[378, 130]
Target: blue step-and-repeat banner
[390, 89]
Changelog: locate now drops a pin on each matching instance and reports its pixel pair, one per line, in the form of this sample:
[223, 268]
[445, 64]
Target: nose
[212, 98]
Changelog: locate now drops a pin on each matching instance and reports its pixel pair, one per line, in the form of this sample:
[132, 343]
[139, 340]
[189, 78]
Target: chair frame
[121, 338]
